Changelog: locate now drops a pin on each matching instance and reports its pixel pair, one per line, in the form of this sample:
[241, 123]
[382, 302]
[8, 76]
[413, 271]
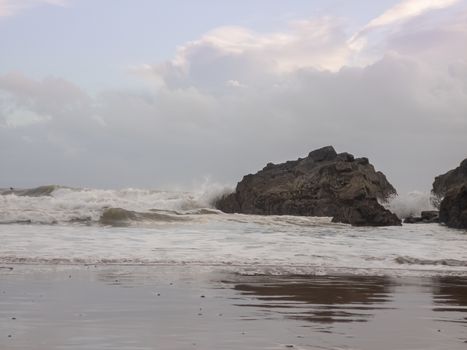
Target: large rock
[322, 184]
[451, 191]
[453, 208]
[453, 178]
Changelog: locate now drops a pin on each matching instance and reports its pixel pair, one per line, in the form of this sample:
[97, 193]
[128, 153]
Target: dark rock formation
[453, 208]
[322, 184]
[430, 215]
[453, 178]
[427, 217]
[412, 220]
[451, 191]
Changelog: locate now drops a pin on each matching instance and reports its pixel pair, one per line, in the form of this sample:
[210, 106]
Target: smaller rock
[346, 157]
[362, 161]
[412, 220]
[430, 215]
[367, 212]
[323, 154]
[427, 217]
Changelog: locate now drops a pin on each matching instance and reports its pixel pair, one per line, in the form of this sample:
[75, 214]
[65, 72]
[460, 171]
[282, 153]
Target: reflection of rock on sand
[317, 299]
[450, 294]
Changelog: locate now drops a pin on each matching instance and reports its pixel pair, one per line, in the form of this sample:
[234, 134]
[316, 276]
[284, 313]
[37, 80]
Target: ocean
[57, 225]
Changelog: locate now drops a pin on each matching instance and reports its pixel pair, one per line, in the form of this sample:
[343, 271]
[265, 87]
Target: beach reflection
[450, 298]
[317, 299]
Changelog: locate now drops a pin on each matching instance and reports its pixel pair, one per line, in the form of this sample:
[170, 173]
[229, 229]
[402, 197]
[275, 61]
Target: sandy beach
[195, 307]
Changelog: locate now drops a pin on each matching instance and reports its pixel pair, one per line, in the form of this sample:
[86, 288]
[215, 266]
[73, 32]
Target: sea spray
[410, 204]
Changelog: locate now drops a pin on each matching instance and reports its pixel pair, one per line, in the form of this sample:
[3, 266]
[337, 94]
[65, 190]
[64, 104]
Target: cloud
[407, 9]
[10, 8]
[227, 54]
[21, 118]
[403, 11]
[235, 99]
[233, 54]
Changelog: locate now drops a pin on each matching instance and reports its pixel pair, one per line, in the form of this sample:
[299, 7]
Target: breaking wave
[32, 192]
[410, 204]
[122, 217]
[443, 262]
[55, 204]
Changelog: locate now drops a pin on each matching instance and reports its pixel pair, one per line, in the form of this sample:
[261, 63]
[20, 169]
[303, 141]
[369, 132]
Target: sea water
[56, 225]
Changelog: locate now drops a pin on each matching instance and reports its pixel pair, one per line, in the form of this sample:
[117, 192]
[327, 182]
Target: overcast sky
[164, 94]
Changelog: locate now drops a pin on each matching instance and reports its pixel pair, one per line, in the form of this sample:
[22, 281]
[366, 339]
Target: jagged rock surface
[451, 189]
[453, 178]
[322, 184]
[453, 208]
[427, 217]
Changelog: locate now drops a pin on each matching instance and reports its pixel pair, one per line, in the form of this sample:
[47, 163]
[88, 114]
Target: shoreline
[261, 270]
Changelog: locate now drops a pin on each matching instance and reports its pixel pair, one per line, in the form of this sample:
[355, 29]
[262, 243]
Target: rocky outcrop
[322, 184]
[453, 208]
[453, 178]
[450, 189]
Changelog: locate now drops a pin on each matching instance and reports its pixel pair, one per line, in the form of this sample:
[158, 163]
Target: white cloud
[228, 54]
[407, 9]
[233, 53]
[403, 11]
[234, 83]
[11, 7]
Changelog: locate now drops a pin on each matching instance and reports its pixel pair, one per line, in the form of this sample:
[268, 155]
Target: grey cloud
[408, 114]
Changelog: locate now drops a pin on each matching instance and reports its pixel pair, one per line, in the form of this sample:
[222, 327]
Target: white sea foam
[67, 204]
[185, 231]
[410, 204]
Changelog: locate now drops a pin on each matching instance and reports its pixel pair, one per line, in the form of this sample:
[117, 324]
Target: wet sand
[190, 307]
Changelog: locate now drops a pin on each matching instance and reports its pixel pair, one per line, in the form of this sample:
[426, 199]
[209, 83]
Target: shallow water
[55, 225]
[264, 245]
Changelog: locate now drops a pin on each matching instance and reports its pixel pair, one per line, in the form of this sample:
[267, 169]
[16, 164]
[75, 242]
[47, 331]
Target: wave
[435, 262]
[54, 204]
[40, 191]
[246, 269]
[122, 217]
[410, 204]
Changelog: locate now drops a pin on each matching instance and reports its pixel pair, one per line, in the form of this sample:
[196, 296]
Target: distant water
[57, 225]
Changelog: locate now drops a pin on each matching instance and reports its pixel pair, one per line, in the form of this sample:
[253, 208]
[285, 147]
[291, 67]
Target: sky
[174, 94]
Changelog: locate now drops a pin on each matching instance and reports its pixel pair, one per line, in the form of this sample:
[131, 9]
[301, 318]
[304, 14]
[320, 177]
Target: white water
[67, 204]
[410, 204]
[245, 243]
